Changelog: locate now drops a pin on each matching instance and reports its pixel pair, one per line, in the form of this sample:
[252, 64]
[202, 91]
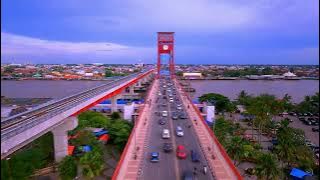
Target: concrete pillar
[138, 83]
[131, 90]
[210, 114]
[60, 137]
[128, 111]
[114, 104]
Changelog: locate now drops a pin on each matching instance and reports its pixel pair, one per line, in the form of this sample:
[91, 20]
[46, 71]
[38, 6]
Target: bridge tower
[166, 47]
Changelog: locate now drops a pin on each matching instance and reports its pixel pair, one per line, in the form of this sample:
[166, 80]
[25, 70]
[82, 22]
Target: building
[192, 75]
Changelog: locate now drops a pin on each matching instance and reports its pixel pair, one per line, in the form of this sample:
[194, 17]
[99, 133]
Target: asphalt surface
[170, 167]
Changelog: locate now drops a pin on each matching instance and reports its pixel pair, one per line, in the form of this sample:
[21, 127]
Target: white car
[179, 131]
[165, 134]
[164, 113]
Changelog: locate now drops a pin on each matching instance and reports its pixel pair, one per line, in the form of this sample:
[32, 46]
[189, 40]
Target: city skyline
[215, 32]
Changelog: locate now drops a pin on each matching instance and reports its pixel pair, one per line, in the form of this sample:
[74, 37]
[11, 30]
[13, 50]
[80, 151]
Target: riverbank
[251, 78]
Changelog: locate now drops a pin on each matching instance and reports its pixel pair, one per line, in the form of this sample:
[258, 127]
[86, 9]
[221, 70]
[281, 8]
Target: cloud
[16, 46]
[199, 16]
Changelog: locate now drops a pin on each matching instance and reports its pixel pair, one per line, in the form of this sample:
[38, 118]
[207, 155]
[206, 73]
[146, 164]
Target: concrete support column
[114, 104]
[139, 83]
[131, 90]
[60, 137]
[128, 111]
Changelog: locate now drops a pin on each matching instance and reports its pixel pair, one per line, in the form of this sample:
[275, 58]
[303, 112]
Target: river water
[297, 89]
[230, 88]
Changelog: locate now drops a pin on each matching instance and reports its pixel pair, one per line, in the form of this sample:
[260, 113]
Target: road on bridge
[169, 166]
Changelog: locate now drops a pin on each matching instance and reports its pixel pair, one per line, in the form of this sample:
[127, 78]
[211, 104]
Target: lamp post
[10, 175]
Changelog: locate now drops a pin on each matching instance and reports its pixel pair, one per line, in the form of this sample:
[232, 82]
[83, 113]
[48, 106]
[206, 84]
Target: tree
[267, 167]
[119, 132]
[92, 119]
[264, 107]
[244, 98]
[235, 149]
[115, 115]
[221, 102]
[286, 103]
[267, 71]
[92, 164]
[67, 168]
[108, 73]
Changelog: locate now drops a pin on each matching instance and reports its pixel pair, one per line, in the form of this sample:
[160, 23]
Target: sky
[124, 31]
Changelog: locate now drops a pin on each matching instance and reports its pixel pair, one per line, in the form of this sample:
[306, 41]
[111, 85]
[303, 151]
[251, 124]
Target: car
[181, 152]
[187, 175]
[174, 116]
[164, 113]
[307, 122]
[162, 122]
[167, 147]
[195, 156]
[179, 131]
[154, 157]
[179, 107]
[315, 129]
[165, 134]
[182, 116]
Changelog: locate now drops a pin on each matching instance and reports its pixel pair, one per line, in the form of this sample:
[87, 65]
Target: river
[230, 88]
[297, 89]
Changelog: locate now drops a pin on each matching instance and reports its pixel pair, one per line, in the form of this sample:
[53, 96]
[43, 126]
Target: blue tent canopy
[86, 148]
[298, 174]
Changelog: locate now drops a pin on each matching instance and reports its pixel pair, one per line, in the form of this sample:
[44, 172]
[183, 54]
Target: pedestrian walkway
[128, 167]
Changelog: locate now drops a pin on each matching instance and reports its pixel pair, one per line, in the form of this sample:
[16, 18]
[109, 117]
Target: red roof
[104, 137]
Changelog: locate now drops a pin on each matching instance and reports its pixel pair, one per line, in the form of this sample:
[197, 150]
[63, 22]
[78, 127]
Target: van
[165, 134]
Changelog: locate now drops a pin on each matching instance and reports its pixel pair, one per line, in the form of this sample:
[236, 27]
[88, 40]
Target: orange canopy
[70, 150]
[104, 137]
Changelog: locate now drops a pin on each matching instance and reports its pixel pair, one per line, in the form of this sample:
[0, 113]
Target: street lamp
[10, 175]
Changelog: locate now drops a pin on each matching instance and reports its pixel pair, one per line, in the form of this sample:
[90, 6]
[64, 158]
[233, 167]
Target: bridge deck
[198, 137]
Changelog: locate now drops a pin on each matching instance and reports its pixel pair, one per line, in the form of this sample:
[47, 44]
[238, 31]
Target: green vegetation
[309, 104]
[68, 168]
[267, 167]
[291, 150]
[241, 72]
[38, 155]
[264, 107]
[92, 163]
[110, 73]
[119, 130]
[221, 102]
[115, 115]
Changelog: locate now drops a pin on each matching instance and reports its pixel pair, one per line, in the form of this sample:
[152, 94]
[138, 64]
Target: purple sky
[207, 31]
